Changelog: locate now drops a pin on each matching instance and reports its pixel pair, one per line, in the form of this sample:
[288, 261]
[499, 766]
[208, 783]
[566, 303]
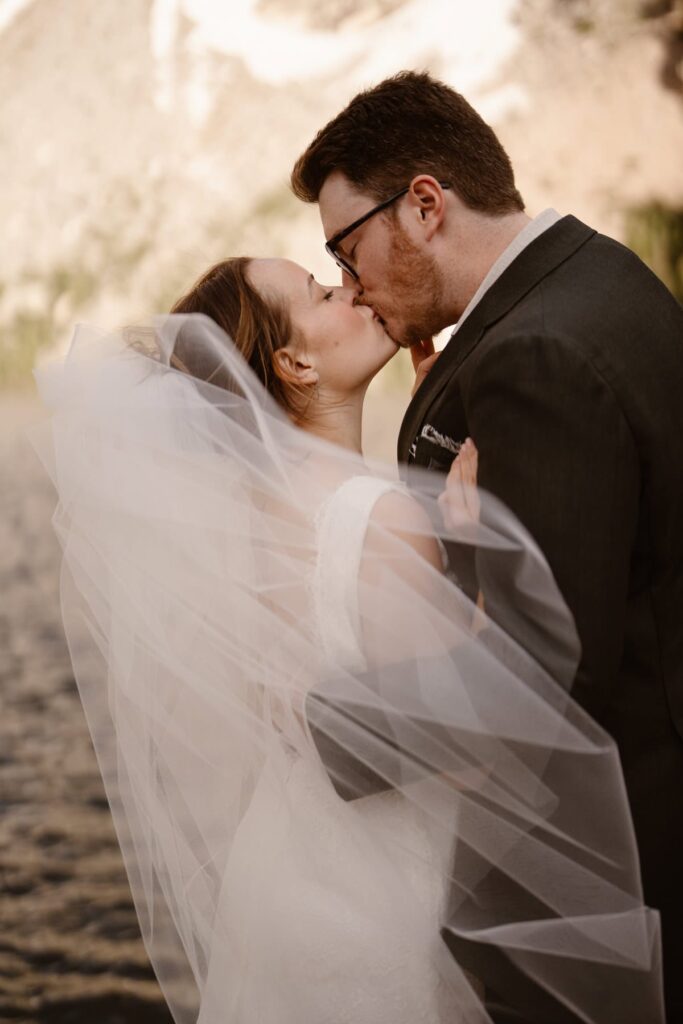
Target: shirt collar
[526, 236]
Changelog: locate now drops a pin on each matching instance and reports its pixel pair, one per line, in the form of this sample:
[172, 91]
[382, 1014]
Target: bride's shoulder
[385, 513]
[396, 515]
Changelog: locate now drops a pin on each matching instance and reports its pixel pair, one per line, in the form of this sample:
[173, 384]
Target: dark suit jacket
[568, 375]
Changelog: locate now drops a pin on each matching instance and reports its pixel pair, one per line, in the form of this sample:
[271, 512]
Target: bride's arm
[399, 517]
[415, 626]
[399, 535]
[399, 530]
[401, 567]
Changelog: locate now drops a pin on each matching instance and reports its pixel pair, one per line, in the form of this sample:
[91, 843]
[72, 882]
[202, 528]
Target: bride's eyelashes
[327, 296]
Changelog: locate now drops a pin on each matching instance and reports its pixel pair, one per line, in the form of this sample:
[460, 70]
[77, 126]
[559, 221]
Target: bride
[341, 788]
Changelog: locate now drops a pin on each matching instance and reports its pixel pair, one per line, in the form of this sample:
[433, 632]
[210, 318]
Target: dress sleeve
[341, 526]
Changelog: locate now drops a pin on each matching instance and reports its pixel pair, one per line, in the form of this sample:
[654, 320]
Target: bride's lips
[383, 324]
[374, 315]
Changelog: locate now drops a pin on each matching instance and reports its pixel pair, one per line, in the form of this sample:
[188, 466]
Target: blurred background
[141, 141]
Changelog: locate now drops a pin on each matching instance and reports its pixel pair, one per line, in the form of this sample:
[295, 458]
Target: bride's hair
[258, 327]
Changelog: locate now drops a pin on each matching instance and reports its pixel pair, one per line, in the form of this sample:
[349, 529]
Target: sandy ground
[70, 947]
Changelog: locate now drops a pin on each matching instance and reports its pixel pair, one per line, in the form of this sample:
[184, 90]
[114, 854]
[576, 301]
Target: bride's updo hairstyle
[257, 327]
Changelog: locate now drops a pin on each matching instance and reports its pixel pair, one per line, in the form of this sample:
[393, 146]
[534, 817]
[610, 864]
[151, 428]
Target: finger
[426, 365]
[470, 457]
[455, 472]
[421, 350]
[467, 459]
[459, 481]
[452, 499]
[416, 354]
[445, 507]
[423, 369]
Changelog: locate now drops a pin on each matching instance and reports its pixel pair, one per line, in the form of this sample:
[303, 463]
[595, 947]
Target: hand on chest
[441, 433]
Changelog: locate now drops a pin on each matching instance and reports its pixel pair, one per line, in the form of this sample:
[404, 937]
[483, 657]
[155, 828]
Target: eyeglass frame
[331, 245]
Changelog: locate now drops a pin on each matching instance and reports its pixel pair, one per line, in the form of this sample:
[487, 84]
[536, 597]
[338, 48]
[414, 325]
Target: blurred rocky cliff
[141, 140]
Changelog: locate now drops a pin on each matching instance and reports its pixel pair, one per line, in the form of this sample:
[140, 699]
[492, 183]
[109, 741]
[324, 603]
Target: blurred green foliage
[33, 326]
[278, 203]
[20, 341]
[44, 303]
[655, 232]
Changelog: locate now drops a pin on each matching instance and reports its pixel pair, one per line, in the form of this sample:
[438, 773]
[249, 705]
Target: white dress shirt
[526, 236]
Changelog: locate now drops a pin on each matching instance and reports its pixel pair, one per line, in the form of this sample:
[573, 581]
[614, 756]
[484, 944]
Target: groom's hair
[410, 124]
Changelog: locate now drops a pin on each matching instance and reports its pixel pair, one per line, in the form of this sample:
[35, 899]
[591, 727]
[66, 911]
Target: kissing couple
[391, 751]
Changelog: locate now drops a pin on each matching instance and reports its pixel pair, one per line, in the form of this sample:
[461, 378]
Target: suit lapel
[539, 259]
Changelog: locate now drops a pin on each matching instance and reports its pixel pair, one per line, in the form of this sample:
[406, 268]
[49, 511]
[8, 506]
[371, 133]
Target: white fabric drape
[252, 767]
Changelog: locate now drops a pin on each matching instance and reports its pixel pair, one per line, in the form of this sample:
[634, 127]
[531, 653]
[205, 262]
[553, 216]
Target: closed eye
[327, 296]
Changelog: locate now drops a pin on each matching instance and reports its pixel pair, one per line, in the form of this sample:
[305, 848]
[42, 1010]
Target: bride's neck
[338, 420]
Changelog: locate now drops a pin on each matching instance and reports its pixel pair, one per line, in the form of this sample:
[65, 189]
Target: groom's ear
[292, 367]
[427, 202]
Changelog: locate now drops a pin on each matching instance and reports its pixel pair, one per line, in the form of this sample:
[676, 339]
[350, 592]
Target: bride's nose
[349, 295]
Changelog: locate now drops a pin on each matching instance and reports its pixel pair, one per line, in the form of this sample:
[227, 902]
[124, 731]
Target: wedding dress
[251, 647]
[340, 940]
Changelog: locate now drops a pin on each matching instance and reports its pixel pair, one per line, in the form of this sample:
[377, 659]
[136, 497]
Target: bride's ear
[292, 367]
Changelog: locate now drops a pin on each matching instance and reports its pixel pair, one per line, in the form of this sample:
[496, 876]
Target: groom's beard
[416, 282]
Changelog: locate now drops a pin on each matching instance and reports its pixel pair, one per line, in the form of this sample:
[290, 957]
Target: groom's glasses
[331, 246]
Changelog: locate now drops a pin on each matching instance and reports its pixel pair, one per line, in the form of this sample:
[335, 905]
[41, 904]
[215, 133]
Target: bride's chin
[389, 344]
[392, 352]
[392, 339]
[389, 337]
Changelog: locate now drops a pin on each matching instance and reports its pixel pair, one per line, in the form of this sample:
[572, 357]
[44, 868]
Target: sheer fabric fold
[252, 766]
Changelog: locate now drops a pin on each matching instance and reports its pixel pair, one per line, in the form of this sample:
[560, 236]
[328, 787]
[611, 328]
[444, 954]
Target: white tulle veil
[187, 515]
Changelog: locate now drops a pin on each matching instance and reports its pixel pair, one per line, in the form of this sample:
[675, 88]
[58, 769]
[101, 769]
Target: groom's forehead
[340, 203]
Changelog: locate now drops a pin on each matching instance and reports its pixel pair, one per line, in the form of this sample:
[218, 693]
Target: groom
[566, 369]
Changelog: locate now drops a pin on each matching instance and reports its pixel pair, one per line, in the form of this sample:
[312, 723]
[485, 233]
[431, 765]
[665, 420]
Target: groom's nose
[350, 282]
[349, 295]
